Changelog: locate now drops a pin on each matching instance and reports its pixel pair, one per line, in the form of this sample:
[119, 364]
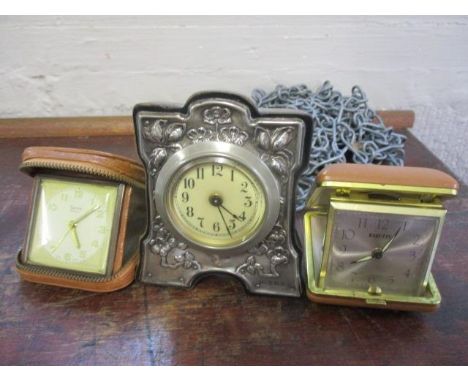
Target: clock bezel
[222, 152]
[113, 238]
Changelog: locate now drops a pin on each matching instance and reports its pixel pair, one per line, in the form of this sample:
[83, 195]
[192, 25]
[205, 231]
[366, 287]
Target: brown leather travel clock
[87, 214]
[221, 182]
[371, 235]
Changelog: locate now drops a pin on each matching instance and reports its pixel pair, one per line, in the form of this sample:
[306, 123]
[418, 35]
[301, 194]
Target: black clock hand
[224, 221]
[230, 213]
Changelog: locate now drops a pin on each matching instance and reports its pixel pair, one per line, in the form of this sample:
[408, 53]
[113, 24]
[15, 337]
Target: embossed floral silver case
[221, 180]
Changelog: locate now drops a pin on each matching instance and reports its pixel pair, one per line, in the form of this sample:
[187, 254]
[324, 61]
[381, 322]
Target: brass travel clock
[371, 233]
[220, 183]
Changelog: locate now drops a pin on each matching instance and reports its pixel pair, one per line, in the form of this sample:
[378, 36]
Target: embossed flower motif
[233, 134]
[157, 158]
[187, 260]
[278, 256]
[217, 115]
[163, 244]
[165, 135]
[162, 132]
[276, 236]
[200, 134]
[276, 140]
[157, 223]
[251, 266]
[274, 143]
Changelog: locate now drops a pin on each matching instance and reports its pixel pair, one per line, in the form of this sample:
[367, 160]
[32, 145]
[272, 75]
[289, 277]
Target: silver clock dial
[380, 252]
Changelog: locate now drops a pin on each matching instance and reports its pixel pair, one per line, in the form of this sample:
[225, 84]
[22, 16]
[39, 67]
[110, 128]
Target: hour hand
[363, 259]
[230, 213]
[75, 235]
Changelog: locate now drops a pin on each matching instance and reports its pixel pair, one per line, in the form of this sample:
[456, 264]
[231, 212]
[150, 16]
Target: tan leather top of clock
[387, 175]
[85, 161]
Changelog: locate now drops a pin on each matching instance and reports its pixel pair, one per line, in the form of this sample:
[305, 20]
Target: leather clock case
[96, 165]
[387, 175]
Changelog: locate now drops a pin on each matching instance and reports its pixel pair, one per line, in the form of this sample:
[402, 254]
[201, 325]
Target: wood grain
[217, 322]
[123, 126]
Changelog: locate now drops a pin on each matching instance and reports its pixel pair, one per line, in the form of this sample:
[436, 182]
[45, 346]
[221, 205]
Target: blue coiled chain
[345, 130]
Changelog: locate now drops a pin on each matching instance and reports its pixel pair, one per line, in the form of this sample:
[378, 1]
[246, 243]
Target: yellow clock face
[72, 225]
[217, 203]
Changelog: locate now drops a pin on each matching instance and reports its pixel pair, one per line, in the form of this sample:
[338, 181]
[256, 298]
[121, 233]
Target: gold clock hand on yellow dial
[378, 253]
[75, 236]
[85, 215]
[55, 247]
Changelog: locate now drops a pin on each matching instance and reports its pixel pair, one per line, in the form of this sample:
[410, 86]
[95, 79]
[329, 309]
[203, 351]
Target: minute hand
[224, 221]
[84, 216]
[386, 246]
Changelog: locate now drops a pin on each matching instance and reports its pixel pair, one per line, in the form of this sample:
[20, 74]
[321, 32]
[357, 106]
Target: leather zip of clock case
[97, 165]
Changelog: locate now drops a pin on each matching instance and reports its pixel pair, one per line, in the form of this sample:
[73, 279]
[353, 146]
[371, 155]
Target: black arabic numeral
[189, 183]
[383, 224]
[190, 212]
[185, 196]
[244, 187]
[362, 223]
[217, 170]
[403, 227]
[200, 173]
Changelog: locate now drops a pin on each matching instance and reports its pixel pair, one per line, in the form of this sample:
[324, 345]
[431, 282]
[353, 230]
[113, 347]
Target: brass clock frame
[396, 199]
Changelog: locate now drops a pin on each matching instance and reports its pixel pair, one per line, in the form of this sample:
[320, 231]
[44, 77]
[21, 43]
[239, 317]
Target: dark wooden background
[217, 322]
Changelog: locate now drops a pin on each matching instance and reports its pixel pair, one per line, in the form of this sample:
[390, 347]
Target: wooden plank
[123, 125]
[65, 127]
[217, 322]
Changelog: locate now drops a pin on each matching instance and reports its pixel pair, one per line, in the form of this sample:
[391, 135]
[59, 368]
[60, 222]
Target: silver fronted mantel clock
[221, 180]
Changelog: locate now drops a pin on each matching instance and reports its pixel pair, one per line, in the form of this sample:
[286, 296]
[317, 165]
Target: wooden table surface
[217, 322]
